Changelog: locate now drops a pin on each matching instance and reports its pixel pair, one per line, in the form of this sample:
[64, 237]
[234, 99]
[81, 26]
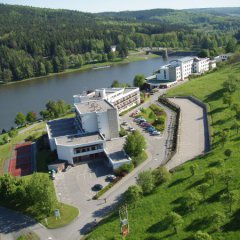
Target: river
[34, 94]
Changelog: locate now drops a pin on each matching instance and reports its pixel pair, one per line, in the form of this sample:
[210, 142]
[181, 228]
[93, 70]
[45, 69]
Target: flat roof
[78, 139]
[114, 150]
[61, 127]
[185, 59]
[93, 106]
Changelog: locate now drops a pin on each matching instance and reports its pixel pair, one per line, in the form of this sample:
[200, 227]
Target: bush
[139, 159]
[124, 169]
[161, 175]
[13, 133]
[122, 132]
[146, 181]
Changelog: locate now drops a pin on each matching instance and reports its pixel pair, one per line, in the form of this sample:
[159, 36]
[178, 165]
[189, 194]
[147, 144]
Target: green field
[147, 219]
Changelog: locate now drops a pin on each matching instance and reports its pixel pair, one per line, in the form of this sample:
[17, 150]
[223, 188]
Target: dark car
[97, 187]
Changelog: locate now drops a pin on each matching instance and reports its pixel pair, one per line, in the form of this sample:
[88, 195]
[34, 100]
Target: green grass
[68, 214]
[146, 220]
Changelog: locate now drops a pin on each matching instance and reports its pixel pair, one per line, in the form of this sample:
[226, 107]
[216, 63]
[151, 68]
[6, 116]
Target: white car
[155, 133]
[110, 177]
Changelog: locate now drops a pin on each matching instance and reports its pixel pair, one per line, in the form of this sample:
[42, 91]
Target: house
[93, 134]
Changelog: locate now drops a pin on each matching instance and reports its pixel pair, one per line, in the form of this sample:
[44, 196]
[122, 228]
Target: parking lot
[75, 186]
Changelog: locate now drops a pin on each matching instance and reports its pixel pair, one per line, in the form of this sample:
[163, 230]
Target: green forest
[36, 42]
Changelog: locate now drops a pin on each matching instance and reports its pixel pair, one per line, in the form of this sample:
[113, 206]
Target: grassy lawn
[146, 220]
[68, 214]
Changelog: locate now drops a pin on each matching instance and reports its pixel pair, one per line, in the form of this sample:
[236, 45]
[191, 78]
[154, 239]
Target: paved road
[13, 223]
[157, 151]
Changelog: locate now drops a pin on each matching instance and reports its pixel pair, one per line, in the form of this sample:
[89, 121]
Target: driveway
[75, 186]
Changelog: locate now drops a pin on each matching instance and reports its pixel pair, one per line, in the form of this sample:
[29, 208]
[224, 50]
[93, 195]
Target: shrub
[124, 169]
[122, 132]
[146, 181]
[162, 175]
[139, 158]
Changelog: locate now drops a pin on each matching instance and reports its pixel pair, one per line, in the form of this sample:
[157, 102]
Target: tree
[202, 236]
[236, 126]
[203, 188]
[146, 181]
[218, 219]
[175, 220]
[211, 175]
[139, 80]
[192, 200]
[230, 198]
[231, 45]
[193, 169]
[228, 153]
[133, 194]
[31, 116]
[227, 178]
[162, 175]
[223, 137]
[40, 193]
[116, 84]
[227, 99]
[5, 139]
[13, 133]
[7, 75]
[20, 119]
[135, 144]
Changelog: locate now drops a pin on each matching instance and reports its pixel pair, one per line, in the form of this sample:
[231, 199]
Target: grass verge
[68, 214]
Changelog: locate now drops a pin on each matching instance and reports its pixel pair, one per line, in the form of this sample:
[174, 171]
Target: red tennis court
[21, 163]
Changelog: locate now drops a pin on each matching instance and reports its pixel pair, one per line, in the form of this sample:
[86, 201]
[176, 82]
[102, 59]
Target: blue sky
[120, 5]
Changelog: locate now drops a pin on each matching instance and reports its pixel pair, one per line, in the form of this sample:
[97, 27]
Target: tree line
[36, 42]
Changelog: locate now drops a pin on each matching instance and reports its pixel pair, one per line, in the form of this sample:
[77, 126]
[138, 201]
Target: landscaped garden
[154, 115]
[201, 200]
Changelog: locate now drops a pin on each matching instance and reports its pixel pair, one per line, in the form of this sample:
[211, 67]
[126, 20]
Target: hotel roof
[61, 127]
[185, 59]
[79, 139]
[93, 106]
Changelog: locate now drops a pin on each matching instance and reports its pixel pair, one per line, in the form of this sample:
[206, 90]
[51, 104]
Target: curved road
[191, 144]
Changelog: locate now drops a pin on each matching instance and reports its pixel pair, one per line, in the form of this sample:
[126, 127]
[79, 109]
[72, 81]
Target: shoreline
[87, 67]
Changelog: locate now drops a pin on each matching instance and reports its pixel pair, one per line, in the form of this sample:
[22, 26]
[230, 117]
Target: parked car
[131, 129]
[110, 177]
[151, 130]
[155, 133]
[97, 187]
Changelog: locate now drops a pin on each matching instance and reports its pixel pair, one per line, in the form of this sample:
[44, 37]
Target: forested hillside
[35, 42]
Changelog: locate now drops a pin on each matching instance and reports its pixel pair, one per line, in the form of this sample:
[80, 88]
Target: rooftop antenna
[124, 224]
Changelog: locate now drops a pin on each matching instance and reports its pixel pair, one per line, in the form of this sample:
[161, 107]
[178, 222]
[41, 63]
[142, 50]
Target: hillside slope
[147, 219]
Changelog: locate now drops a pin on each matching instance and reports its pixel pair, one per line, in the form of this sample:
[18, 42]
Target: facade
[120, 98]
[200, 65]
[88, 135]
[177, 70]
[186, 66]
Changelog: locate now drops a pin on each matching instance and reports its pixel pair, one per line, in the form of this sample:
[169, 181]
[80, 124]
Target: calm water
[33, 95]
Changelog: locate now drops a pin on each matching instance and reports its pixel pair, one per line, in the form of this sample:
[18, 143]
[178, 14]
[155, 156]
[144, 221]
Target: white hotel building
[94, 132]
[178, 70]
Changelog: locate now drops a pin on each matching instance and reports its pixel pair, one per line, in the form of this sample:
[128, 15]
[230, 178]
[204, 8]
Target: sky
[122, 5]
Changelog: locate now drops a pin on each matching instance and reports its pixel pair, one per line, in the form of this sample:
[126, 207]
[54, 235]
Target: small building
[57, 166]
[212, 64]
